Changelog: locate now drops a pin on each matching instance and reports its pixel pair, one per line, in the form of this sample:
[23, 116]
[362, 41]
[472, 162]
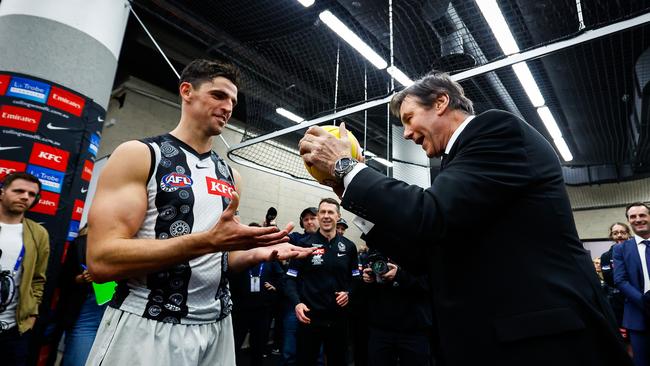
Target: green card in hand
[104, 291]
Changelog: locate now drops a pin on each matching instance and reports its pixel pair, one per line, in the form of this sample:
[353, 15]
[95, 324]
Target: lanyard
[259, 274]
[19, 260]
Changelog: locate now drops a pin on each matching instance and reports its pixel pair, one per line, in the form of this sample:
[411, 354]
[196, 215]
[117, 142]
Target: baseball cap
[342, 222]
[308, 210]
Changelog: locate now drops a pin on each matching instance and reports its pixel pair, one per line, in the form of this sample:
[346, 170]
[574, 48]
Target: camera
[271, 214]
[377, 262]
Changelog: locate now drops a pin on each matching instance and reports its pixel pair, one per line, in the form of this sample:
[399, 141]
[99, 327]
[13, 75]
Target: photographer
[399, 314]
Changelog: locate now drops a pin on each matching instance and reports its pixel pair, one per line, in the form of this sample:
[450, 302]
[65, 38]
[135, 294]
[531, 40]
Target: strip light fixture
[352, 39]
[292, 116]
[306, 3]
[501, 31]
[398, 75]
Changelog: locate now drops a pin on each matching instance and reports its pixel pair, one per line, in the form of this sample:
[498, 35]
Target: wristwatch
[343, 166]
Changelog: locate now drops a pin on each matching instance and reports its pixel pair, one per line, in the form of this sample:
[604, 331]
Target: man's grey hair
[429, 88]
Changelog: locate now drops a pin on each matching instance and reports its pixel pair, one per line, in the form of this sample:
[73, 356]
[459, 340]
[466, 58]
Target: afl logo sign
[174, 181]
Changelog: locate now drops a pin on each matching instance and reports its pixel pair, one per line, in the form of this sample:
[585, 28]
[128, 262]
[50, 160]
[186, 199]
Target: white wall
[597, 207]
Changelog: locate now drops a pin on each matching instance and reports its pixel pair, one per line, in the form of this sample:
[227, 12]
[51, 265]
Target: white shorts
[128, 339]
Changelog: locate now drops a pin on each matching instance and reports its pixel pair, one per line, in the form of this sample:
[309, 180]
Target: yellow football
[355, 152]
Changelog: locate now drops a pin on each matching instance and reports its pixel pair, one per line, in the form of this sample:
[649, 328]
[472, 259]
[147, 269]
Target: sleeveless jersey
[187, 193]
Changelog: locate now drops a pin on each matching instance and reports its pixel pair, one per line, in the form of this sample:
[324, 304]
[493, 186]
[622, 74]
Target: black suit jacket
[511, 282]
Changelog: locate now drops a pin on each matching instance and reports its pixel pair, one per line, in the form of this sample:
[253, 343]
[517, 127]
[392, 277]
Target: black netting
[292, 60]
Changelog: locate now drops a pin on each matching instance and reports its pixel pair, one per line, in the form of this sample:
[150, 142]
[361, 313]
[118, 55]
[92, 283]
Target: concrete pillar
[75, 43]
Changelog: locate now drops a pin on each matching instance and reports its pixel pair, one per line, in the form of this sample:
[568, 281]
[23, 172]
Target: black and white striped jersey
[187, 193]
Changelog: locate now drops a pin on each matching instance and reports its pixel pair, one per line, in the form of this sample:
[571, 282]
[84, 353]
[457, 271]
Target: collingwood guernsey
[187, 193]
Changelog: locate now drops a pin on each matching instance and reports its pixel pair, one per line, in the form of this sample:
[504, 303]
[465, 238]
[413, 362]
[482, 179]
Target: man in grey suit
[511, 283]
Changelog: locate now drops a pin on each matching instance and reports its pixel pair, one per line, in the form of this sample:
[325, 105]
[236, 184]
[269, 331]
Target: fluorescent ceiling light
[306, 3]
[549, 122]
[398, 75]
[554, 131]
[289, 115]
[352, 39]
[497, 23]
[528, 82]
[564, 149]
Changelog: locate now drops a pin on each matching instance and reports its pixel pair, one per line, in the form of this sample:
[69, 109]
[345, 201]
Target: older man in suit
[511, 282]
[631, 259]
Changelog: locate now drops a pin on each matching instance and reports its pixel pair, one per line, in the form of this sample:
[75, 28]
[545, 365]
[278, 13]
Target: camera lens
[379, 267]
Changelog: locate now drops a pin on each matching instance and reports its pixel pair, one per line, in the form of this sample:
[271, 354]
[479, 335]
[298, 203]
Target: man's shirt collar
[639, 239]
[456, 133]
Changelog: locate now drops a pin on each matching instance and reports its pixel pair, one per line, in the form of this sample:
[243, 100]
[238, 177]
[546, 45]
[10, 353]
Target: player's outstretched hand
[228, 234]
[280, 252]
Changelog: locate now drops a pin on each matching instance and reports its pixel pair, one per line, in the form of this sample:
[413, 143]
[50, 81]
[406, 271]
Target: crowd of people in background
[341, 305]
[623, 272]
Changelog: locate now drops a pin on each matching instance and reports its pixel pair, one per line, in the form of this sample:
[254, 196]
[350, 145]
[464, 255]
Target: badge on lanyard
[255, 284]
[255, 280]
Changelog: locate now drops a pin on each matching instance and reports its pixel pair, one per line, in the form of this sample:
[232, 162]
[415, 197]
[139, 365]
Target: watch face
[343, 166]
[345, 163]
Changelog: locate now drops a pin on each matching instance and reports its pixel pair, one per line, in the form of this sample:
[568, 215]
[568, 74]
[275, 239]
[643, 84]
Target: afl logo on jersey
[174, 181]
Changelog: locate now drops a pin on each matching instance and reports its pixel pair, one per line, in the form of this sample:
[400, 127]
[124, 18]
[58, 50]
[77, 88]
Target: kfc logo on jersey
[4, 83]
[8, 167]
[66, 101]
[20, 118]
[87, 171]
[219, 187]
[47, 204]
[49, 157]
[77, 210]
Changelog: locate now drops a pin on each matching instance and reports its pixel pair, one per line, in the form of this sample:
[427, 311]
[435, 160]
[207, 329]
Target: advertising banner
[53, 133]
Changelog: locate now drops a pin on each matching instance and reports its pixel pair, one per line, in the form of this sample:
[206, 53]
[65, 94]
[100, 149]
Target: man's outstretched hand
[229, 234]
[281, 252]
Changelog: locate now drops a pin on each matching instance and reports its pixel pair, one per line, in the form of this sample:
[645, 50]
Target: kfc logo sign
[219, 187]
[66, 101]
[48, 204]
[77, 210]
[49, 157]
[87, 171]
[8, 167]
[4, 83]
[19, 118]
